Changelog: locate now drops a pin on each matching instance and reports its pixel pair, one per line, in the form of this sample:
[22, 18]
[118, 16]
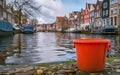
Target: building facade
[98, 15]
[61, 23]
[78, 20]
[5, 12]
[16, 18]
[87, 16]
[92, 18]
[82, 19]
[71, 18]
[105, 12]
[115, 12]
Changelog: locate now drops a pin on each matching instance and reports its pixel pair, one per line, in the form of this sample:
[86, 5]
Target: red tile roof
[60, 18]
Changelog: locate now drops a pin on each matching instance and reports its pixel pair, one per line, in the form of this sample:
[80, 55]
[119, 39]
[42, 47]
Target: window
[107, 21]
[105, 5]
[103, 13]
[104, 22]
[107, 12]
[113, 10]
[115, 20]
[1, 3]
[113, 1]
[119, 11]
[1, 15]
[111, 20]
[97, 7]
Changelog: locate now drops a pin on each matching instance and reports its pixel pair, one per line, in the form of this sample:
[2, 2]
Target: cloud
[41, 20]
[50, 9]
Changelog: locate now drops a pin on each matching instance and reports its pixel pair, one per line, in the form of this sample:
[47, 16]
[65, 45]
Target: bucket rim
[91, 40]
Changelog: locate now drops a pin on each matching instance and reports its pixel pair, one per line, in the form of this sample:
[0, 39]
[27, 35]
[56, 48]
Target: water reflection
[45, 47]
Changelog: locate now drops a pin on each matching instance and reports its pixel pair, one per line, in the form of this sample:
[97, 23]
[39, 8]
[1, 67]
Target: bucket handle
[109, 47]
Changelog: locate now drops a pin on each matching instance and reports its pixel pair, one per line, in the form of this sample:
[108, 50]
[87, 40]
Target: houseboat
[27, 29]
[109, 29]
[6, 28]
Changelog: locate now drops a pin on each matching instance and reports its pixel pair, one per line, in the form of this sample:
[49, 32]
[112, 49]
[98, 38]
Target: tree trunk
[20, 17]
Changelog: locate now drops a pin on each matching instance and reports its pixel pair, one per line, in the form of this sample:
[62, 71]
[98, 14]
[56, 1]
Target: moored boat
[16, 28]
[6, 28]
[27, 29]
[109, 29]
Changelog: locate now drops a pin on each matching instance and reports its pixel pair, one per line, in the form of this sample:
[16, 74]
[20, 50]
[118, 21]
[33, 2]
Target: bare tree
[26, 7]
[33, 21]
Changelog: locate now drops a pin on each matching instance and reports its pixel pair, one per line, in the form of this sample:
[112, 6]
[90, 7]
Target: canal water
[42, 47]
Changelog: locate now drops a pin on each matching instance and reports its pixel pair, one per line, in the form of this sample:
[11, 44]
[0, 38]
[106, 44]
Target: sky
[52, 8]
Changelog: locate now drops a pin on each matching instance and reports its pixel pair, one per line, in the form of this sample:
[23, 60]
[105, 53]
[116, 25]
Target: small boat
[6, 28]
[96, 31]
[16, 28]
[27, 29]
[109, 29]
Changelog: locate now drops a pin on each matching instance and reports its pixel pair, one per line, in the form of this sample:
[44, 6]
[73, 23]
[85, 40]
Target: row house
[79, 20]
[5, 12]
[61, 23]
[75, 21]
[50, 27]
[82, 19]
[9, 14]
[39, 27]
[86, 16]
[45, 27]
[92, 18]
[115, 12]
[16, 18]
[105, 12]
[71, 19]
[98, 15]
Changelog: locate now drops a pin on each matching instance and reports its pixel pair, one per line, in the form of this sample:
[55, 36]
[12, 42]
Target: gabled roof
[71, 15]
[88, 6]
[98, 3]
[60, 18]
[79, 14]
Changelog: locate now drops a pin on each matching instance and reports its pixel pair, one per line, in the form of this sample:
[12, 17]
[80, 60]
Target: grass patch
[55, 63]
[110, 59]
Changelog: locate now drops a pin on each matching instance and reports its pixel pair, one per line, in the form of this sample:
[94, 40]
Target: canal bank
[62, 68]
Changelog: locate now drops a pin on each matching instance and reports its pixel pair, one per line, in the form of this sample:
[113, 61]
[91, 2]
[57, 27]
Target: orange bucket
[91, 54]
